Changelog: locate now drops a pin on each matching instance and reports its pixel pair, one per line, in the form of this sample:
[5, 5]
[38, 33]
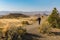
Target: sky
[29, 5]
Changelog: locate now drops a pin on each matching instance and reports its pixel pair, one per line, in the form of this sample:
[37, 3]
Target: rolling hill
[14, 15]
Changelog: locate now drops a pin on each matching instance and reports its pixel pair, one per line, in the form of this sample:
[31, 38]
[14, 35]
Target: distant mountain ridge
[26, 13]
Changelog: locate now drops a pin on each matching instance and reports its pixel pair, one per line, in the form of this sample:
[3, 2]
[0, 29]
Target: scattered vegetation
[15, 30]
[11, 29]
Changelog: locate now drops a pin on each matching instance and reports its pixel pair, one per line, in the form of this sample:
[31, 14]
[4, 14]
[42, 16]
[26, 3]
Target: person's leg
[39, 22]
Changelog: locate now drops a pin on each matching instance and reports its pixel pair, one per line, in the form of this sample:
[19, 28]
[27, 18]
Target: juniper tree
[54, 19]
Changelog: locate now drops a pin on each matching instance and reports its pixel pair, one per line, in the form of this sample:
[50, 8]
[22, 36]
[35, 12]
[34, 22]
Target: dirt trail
[33, 29]
[32, 32]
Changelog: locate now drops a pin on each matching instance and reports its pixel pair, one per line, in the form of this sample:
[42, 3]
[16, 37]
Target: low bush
[25, 23]
[14, 33]
[45, 28]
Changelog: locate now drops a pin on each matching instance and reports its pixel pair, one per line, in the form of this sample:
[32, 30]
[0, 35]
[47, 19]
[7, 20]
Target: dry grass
[6, 23]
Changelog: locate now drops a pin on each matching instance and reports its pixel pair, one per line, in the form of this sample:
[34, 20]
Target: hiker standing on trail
[39, 20]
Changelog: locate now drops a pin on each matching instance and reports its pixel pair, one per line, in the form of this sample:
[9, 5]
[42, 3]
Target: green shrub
[54, 19]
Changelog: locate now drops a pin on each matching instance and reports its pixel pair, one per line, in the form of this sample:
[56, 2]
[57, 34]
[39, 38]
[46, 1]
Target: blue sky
[29, 5]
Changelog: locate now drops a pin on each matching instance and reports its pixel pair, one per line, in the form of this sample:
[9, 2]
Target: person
[39, 20]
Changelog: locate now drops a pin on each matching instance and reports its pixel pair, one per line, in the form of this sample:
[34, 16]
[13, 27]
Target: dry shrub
[25, 23]
[14, 30]
[45, 28]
